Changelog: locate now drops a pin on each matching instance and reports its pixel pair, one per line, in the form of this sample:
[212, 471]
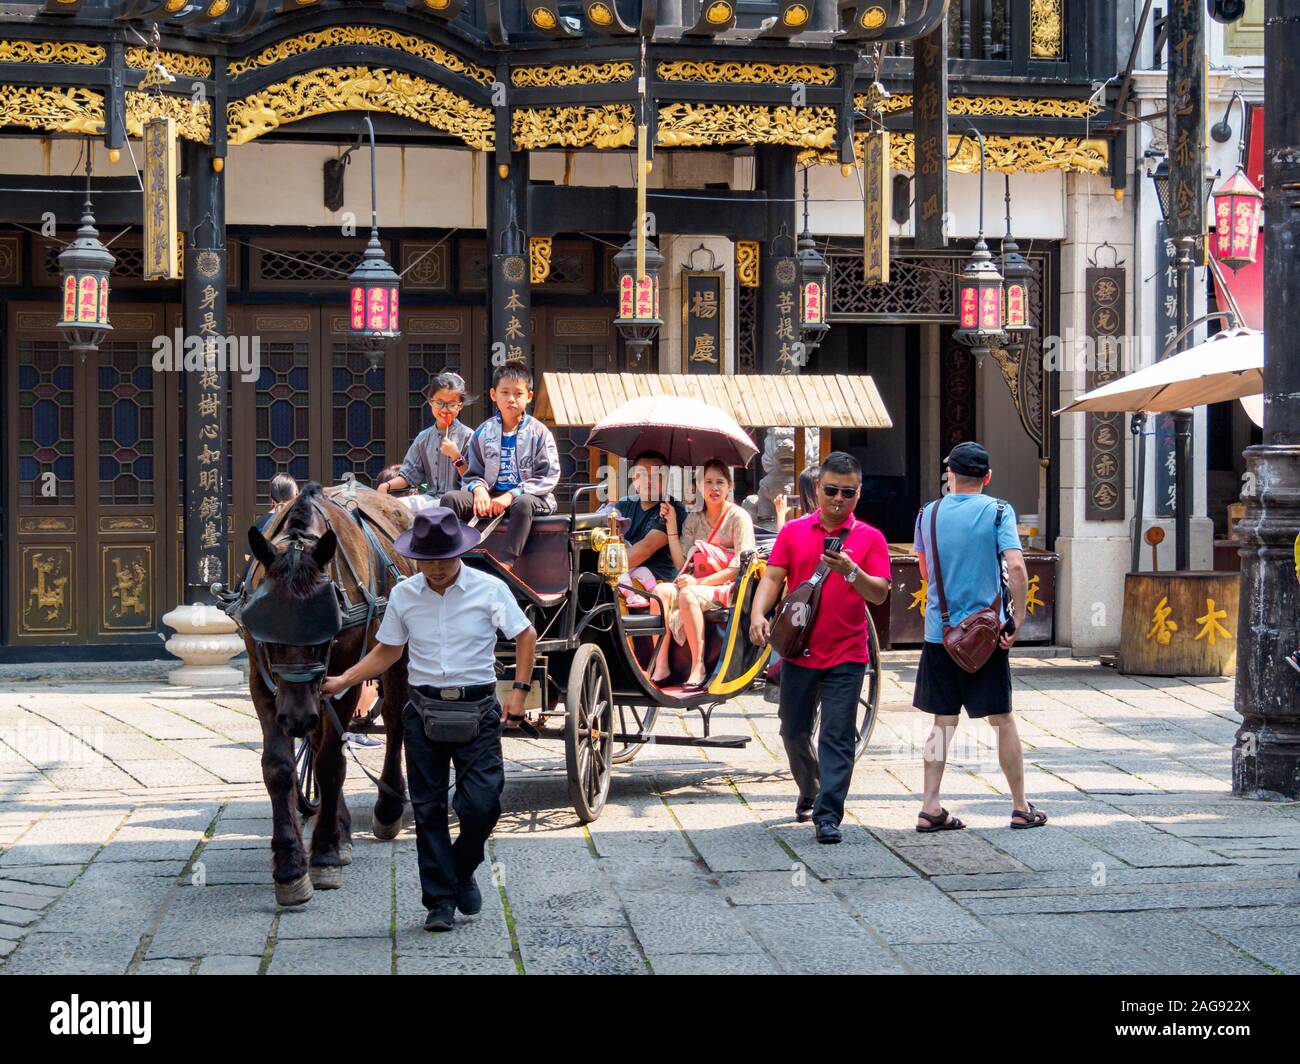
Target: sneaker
[469, 899]
[442, 917]
[362, 739]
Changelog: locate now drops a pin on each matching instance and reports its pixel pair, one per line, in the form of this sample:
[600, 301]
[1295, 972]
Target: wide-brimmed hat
[436, 534]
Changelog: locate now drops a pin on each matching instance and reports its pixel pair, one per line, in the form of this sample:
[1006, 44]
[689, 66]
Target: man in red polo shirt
[832, 669]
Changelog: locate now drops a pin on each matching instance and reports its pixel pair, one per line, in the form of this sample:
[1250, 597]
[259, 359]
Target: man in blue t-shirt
[972, 531]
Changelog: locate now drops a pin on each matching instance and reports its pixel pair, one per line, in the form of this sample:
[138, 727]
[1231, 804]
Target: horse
[311, 605]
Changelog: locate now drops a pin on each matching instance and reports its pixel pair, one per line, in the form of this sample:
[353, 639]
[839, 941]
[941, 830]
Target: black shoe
[1293, 659]
[442, 917]
[828, 834]
[803, 811]
[469, 899]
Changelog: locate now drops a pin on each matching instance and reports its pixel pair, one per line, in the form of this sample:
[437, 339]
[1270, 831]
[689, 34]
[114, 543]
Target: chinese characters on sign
[1186, 119]
[161, 262]
[512, 333]
[1162, 425]
[1104, 445]
[784, 299]
[930, 119]
[205, 459]
[703, 320]
[877, 193]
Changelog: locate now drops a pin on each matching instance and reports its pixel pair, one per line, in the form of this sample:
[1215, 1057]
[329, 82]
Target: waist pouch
[451, 722]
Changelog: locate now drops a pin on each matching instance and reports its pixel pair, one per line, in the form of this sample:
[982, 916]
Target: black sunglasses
[832, 491]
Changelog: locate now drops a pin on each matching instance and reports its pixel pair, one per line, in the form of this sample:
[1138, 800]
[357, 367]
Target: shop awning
[829, 401]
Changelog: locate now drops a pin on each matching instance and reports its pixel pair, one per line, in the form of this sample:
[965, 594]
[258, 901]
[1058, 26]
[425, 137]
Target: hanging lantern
[814, 282]
[373, 318]
[638, 298]
[1237, 207]
[979, 303]
[1015, 287]
[85, 265]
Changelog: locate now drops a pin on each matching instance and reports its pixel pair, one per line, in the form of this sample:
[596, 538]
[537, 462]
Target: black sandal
[941, 822]
[1033, 818]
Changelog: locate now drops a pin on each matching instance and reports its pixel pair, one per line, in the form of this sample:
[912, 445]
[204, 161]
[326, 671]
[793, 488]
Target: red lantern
[1237, 207]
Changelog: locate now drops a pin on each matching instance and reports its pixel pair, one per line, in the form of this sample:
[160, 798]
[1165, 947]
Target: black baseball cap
[968, 460]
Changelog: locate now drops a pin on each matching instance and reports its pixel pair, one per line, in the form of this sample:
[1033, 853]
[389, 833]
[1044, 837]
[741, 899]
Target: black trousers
[519, 518]
[480, 778]
[824, 777]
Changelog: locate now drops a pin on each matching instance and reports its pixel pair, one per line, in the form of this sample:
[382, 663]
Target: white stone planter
[205, 640]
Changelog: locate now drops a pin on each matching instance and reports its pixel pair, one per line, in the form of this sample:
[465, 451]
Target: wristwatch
[519, 685]
[852, 578]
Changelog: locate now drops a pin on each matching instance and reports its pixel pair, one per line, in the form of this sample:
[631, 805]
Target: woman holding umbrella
[706, 554]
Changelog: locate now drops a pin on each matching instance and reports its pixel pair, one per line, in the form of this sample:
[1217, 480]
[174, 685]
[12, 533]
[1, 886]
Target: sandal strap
[934, 819]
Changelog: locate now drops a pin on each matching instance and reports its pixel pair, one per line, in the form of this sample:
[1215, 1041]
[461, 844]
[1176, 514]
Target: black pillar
[778, 278]
[1266, 755]
[207, 437]
[509, 303]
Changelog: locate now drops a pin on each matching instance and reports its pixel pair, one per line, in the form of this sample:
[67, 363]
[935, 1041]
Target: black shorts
[943, 686]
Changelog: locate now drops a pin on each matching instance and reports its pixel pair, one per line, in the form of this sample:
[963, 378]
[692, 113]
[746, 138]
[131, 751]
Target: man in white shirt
[447, 617]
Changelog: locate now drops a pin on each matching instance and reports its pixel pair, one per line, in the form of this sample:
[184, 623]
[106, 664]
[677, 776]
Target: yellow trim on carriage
[755, 571]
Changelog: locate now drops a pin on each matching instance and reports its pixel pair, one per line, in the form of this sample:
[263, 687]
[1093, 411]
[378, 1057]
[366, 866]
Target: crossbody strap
[938, 572]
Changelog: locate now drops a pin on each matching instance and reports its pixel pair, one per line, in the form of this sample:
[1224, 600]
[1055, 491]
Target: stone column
[1266, 755]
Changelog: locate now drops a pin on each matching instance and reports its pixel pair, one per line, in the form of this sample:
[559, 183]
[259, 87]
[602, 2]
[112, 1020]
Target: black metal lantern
[85, 265]
[373, 309]
[1015, 287]
[638, 297]
[979, 286]
[814, 282]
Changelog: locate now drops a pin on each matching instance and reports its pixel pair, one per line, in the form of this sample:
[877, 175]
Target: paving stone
[361, 908]
[167, 967]
[219, 964]
[63, 839]
[711, 964]
[73, 953]
[437, 964]
[911, 911]
[814, 939]
[983, 958]
[691, 923]
[1278, 948]
[580, 951]
[332, 956]
[214, 919]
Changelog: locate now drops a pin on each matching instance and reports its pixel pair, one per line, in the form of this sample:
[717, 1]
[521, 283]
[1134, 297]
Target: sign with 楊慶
[1186, 119]
[876, 192]
[1104, 305]
[930, 122]
[703, 319]
[161, 258]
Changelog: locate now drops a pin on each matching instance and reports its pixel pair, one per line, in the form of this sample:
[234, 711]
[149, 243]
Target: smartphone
[831, 544]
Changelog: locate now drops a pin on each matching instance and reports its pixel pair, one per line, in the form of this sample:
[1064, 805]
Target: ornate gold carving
[359, 89]
[47, 524]
[543, 18]
[193, 119]
[718, 14]
[10, 260]
[435, 326]
[750, 73]
[747, 259]
[996, 106]
[1046, 29]
[190, 66]
[74, 53]
[563, 76]
[57, 109]
[141, 523]
[600, 14]
[46, 594]
[608, 126]
[873, 18]
[128, 590]
[692, 124]
[161, 259]
[539, 259]
[795, 15]
[1004, 154]
[374, 36]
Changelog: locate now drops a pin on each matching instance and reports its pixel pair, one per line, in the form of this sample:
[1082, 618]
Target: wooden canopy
[830, 401]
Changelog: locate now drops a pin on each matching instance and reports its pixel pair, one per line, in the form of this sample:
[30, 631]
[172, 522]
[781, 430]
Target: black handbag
[454, 723]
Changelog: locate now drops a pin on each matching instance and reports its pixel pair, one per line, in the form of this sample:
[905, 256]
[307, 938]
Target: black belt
[457, 694]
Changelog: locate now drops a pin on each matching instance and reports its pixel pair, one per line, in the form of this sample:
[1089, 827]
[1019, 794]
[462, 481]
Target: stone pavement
[134, 838]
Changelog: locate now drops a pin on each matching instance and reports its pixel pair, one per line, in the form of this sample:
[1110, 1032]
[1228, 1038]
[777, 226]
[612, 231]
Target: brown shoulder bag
[793, 622]
[972, 642]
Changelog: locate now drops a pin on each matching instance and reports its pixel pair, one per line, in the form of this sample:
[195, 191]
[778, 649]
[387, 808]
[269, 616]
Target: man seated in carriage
[649, 557]
[512, 463]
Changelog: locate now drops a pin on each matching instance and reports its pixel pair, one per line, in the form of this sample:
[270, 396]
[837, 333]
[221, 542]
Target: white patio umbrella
[685, 431]
[1229, 365]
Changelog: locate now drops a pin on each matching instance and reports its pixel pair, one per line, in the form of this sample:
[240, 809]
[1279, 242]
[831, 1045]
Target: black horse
[313, 603]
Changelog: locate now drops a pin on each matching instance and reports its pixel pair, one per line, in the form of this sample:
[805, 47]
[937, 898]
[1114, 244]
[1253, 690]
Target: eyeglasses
[438, 404]
[832, 491]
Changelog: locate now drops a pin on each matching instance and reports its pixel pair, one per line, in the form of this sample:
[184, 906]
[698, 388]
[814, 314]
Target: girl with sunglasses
[436, 458]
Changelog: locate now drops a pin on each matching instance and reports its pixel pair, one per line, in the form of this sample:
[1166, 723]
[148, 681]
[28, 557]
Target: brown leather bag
[972, 642]
[793, 622]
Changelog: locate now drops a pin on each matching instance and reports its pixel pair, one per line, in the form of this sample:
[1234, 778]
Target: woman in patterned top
[717, 534]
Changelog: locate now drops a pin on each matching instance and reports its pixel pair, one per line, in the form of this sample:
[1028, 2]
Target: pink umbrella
[685, 431]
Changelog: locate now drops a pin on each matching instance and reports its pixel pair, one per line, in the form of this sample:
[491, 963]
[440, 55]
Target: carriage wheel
[868, 700]
[633, 719]
[588, 732]
[304, 773]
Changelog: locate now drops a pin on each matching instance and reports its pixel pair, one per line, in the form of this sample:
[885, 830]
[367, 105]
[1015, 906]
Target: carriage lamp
[611, 551]
[979, 285]
[1237, 206]
[814, 282]
[84, 266]
[1015, 287]
[373, 309]
[638, 318]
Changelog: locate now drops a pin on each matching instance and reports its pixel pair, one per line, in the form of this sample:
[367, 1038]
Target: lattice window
[922, 286]
[426, 361]
[305, 266]
[357, 417]
[126, 425]
[746, 329]
[283, 416]
[46, 420]
[572, 268]
[129, 264]
[426, 267]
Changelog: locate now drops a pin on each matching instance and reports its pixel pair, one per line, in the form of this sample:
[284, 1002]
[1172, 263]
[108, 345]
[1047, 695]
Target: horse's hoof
[385, 831]
[295, 892]
[345, 853]
[326, 877]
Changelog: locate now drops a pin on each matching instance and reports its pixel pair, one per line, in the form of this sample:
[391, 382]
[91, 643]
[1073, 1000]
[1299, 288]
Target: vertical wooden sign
[1186, 119]
[161, 260]
[1104, 304]
[511, 310]
[703, 320]
[930, 122]
[1161, 426]
[877, 193]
